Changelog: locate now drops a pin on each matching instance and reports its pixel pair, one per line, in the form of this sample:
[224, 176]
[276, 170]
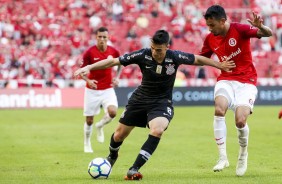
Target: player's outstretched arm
[106, 63]
[225, 66]
[263, 31]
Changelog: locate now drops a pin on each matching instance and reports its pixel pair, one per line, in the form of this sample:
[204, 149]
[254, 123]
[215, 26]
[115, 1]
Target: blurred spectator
[200, 72]
[142, 21]
[95, 21]
[131, 34]
[145, 40]
[117, 11]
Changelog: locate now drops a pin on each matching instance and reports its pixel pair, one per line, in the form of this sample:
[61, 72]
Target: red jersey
[104, 77]
[234, 46]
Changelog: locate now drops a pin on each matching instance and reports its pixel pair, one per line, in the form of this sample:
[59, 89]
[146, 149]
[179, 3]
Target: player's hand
[115, 82]
[92, 84]
[257, 21]
[228, 65]
[280, 114]
[81, 72]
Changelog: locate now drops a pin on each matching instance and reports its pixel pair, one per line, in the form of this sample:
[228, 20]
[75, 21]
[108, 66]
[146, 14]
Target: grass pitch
[46, 146]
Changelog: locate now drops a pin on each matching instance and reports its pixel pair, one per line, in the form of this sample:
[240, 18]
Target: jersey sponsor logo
[233, 54]
[134, 55]
[168, 60]
[232, 42]
[148, 57]
[148, 66]
[170, 69]
[95, 59]
[183, 57]
[216, 48]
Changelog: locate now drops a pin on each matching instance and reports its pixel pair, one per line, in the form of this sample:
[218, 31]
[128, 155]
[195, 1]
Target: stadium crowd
[43, 39]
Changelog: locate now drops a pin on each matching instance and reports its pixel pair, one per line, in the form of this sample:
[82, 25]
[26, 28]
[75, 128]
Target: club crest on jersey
[232, 42]
[170, 69]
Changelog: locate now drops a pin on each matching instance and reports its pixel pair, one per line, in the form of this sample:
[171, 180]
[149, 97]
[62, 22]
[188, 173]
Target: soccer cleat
[133, 174]
[100, 133]
[242, 164]
[221, 164]
[112, 158]
[88, 148]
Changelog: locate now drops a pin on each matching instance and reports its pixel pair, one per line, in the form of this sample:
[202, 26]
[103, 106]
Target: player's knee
[118, 137]
[219, 111]
[89, 121]
[157, 132]
[112, 114]
[240, 122]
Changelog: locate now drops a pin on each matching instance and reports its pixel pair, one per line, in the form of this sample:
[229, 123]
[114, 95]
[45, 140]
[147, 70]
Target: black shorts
[140, 114]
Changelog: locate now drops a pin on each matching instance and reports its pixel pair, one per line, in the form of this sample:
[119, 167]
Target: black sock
[114, 146]
[146, 151]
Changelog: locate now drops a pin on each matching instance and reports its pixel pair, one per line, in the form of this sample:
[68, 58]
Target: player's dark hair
[161, 37]
[102, 29]
[215, 11]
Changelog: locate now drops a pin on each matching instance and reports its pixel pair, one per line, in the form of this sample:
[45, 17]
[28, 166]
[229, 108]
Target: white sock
[105, 120]
[87, 133]
[243, 138]
[220, 135]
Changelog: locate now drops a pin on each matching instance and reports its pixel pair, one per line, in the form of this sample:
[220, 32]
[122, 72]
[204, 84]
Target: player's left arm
[263, 31]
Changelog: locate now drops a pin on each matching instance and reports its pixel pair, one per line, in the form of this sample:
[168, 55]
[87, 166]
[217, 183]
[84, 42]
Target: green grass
[46, 146]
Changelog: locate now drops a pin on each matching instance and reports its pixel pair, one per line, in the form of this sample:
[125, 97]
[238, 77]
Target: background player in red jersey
[99, 88]
[280, 114]
[235, 90]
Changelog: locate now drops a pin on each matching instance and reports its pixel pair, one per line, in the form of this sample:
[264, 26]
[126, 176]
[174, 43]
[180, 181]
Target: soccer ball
[99, 168]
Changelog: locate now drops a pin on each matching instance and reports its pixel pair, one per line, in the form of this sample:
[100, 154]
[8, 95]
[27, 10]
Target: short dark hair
[215, 11]
[161, 37]
[101, 29]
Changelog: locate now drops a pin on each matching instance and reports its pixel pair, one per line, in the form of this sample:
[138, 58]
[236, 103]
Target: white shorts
[94, 99]
[237, 93]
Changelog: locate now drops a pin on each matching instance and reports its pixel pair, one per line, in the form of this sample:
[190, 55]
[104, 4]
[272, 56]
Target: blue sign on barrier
[195, 96]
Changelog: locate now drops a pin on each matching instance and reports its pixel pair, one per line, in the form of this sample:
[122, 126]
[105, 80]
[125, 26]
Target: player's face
[102, 38]
[216, 27]
[158, 51]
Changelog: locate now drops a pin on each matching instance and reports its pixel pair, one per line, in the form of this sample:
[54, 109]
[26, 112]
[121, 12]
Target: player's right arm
[91, 83]
[263, 31]
[103, 64]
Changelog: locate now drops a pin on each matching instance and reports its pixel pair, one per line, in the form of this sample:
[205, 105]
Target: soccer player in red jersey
[234, 90]
[99, 88]
[280, 114]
